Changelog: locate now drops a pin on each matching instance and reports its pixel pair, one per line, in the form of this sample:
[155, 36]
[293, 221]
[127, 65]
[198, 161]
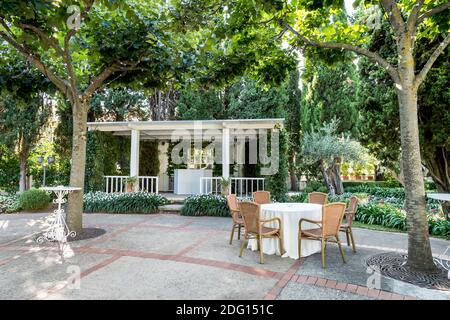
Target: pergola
[225, 130]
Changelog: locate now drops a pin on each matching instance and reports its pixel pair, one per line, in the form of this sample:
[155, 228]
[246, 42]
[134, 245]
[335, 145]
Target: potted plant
[225, 185]
[131, 181]
[344, 171]
[358, 171]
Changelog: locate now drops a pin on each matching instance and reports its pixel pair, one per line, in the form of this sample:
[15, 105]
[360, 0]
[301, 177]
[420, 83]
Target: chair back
[250, 214]
[233, 205]
[261, 197]
[351, 210]
[318, 198]
[332, 215]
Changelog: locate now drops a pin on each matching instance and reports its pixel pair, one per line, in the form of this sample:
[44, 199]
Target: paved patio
[166, 256]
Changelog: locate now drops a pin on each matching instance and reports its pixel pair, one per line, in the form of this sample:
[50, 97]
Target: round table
[290, 214]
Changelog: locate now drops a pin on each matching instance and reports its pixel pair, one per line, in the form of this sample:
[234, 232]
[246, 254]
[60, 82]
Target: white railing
[118, 184]
[244, 187]
[148, 184]
[241, 187]
[210, 185]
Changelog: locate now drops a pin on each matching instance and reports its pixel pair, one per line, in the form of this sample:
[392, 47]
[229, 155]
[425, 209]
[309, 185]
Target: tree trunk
[23, 157]
[336, 175]
[419, 248]
[75, 205]
[327, 179]
[292, 173]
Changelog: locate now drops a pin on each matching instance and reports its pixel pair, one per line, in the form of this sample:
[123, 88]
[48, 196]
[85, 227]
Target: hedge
[205, 205]
[133, 202]
[34, 199]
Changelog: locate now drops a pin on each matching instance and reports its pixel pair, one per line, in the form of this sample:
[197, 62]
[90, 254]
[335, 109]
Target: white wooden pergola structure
[219, 130]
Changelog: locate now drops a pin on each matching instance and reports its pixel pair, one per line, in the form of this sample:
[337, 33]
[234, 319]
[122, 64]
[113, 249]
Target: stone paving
[167, 256]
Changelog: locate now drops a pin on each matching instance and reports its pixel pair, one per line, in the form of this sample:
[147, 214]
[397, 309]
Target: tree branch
[423, 73]
[412, 19]
[433, 11]
[394, 16]
[46, 38]
[344, 46]
[35, 60]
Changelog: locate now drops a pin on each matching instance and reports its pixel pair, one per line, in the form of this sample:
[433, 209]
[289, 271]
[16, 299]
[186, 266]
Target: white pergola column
[226, 153]
[134, 155]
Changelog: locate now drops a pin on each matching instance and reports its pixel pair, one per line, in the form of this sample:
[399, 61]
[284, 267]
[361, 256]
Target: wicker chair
[255, 229]
[261, 197]
[318, 198]
[238, 222]
[332, 215]
[347, 225]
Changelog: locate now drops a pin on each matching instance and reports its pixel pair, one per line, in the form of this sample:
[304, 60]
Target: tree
[24, 107]
[78, 46]
[326, 149]
[379, 126]
[319, 26]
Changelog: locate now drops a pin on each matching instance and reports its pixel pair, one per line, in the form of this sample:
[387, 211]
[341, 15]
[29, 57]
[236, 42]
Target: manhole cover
[88, 233]
[392, 265]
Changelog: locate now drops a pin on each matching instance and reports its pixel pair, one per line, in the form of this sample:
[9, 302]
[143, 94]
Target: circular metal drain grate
[392, 265]
[88, 233]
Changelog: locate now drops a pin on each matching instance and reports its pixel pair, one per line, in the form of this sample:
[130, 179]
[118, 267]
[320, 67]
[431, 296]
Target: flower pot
[345, 177]
[357, 177]
[130, 187]
[370, 177]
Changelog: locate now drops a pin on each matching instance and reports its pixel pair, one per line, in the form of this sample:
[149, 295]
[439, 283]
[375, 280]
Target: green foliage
[9, 203]
[390, 216]
[133, 202]
[149, 153]
[313, 185]
[372, 184]
[376, 191]
[205, 205]
[34, 199]
[9, 173]
[324, 145]
[104, 152]
[276, 183]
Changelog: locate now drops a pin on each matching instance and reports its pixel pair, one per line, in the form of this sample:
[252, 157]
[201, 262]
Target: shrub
[312, 186]
[372, 184]
[383, 214]
[34, 199]
[300, 197]
[378, 191]
[205, 205]
[9, 203]
[133, 202]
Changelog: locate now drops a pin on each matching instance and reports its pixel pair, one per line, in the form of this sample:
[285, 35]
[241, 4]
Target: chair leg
[323, 253]
[239, 232]
[261, 251]
[232, 233]
[299, 245]
[348, 237]
[353, 240]
[280, 238]
[242, 245]
[340, 248]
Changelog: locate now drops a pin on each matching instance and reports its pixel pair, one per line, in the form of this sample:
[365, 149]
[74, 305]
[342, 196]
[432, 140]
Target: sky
[349, 6]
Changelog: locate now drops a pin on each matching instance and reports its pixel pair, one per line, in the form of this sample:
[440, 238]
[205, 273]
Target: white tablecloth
[290, 214]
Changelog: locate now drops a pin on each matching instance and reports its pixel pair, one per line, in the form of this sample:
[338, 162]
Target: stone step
[175, 208]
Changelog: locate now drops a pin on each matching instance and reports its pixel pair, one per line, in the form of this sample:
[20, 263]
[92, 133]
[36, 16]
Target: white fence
[118, 184]
[241, 187]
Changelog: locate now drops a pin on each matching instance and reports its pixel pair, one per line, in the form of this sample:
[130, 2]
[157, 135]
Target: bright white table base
[290, 214]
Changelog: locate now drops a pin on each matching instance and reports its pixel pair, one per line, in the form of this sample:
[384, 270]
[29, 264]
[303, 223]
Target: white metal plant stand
[58, 231]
